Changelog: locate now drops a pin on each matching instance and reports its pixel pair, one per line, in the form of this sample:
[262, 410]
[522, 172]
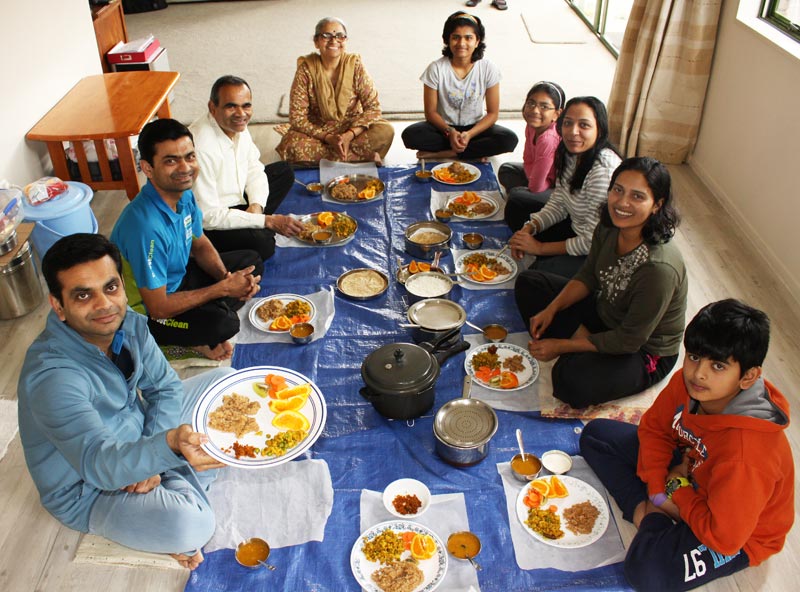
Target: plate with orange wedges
[283, 323]
[568, 492]
[486, 267]
[502, 379]
[279, 413]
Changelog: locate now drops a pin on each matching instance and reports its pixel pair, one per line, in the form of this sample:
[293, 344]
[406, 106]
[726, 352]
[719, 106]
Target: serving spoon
[519, 441]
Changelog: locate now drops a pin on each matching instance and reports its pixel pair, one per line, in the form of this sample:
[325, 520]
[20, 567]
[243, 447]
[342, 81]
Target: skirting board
[789, 284]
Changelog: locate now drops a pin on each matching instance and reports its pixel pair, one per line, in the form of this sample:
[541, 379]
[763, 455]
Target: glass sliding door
[607, 18]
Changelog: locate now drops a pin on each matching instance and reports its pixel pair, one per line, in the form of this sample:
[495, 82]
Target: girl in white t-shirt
[456, 87]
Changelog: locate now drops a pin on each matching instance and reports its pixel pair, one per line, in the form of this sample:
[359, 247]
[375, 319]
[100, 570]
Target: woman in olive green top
[616, 327]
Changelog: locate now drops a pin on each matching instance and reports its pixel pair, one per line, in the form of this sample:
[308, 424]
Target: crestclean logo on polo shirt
[187, 226]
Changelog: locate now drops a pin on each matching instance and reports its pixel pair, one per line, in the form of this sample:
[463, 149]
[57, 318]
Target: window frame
[768, 14]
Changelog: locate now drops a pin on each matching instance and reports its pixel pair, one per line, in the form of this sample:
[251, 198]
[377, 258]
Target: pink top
[538, 159]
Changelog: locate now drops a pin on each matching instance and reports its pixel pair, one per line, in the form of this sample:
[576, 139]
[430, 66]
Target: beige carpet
[95, 549]
[260, 40]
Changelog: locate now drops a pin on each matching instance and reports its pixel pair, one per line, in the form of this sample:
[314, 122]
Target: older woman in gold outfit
[334, 111]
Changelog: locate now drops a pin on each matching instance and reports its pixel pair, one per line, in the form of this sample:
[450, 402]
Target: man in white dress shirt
[237, 194]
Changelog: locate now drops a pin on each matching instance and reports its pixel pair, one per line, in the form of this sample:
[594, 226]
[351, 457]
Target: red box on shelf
[138, 50]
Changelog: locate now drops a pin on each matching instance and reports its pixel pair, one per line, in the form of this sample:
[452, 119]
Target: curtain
[662, 74]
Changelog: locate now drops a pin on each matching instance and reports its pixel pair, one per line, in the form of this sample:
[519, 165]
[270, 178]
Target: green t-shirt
[641, 296]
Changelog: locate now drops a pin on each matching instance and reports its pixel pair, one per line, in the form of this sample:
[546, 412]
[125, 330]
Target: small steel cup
[472, 240]
[525, 477]
[302, 333]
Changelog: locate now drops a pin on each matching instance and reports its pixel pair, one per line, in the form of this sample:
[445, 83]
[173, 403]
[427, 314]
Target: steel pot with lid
[463, 428]
[400, 377]
[432, 318]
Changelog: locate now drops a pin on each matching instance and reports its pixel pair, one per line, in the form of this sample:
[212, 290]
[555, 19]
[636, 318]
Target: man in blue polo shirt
[189, 291]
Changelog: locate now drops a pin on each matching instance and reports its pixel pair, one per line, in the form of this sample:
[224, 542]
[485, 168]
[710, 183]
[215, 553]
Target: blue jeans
[175, 517]
[663, 555]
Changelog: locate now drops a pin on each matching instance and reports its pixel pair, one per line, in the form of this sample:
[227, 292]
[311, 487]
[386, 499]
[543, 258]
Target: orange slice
[508, 380]
[423, 547]
[413, 267]
[325, 218]
[488, 273]
[541, 486]
[291, 420]
[557, 487]
[302, 390]
[290, 404]
[424, 266]
[282, 323]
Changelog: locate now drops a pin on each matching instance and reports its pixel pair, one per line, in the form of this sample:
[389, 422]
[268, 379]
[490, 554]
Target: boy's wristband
[676, 483]
[658, 499]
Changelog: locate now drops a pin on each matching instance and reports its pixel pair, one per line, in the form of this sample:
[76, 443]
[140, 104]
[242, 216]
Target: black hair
[227, 80]
[660, 226]
[586, 159]
[462, 19]
[553, 90]
[72, 250]
[160, 130]
[729, 329]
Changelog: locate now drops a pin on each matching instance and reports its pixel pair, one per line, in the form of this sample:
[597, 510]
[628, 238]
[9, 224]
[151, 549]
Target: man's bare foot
[221, 352]
[188, 561]
[440, 154]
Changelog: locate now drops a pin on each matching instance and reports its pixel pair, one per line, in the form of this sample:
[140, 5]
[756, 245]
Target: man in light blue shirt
[103, 418]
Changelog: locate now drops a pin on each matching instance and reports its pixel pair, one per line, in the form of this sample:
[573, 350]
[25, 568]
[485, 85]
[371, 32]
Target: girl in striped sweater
[560, 234]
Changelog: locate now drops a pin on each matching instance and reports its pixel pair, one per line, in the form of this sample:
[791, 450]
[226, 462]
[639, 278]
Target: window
[607, 18]
[783, 14]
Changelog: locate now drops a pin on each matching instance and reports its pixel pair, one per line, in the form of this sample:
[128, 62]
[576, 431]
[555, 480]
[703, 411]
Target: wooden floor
[36, 552]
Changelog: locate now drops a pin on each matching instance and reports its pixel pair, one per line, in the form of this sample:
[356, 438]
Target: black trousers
[210, 323]
[581, 379]
[663, 555]
[495, 140]
[521, 202]
[261, 240]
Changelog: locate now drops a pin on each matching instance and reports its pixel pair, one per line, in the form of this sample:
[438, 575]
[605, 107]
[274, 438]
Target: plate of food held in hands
[355, 188]
[260, 417]
[399, 555]
[486, 267]
[502, 366]
[456, 173]
[472, 205]
[277, 314]
[340, 227]
[562, 511]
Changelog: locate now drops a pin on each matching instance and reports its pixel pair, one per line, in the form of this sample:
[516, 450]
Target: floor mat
[554, 22]
[95, 549]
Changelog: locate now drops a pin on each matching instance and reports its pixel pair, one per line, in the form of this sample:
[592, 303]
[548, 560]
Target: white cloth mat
[439, 200]
[329, 169]
[8, 424]
[533, 554]
[323, 302]
[469, 285]
[524, 399]
[285, 505]
[447, 514]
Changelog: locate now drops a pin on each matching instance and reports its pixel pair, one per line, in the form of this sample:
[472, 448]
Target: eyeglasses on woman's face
[329, 36]
[543, 107]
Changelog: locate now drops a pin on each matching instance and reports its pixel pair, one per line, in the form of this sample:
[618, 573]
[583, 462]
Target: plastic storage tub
[65, 214]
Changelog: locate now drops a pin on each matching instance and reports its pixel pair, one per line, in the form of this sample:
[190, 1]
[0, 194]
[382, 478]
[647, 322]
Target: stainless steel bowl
[525, 476]
[341, 283]
[434, 317]
[315, 188]
[427, 251]
[415, 294]
[424, 176]
[472, 240]
[302, 333]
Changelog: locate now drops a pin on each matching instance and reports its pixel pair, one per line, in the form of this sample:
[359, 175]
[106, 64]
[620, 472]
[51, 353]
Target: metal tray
[359, 182]
[336, 240]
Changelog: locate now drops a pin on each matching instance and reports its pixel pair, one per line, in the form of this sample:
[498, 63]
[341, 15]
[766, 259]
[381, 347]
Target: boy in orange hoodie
[708, 477]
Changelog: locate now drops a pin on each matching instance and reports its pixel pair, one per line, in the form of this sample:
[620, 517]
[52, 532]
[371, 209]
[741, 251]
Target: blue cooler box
[65, 214]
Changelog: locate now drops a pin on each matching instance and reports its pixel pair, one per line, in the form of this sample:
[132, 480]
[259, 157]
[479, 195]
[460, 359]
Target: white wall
[48, 45]
[747, 152]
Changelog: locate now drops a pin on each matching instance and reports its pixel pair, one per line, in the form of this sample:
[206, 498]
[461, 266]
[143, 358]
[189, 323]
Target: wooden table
[116, 105]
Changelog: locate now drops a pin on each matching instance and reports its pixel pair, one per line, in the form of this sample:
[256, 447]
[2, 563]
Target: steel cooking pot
[463, 429]
[399, 378]
[434, 317]
[427, 249]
